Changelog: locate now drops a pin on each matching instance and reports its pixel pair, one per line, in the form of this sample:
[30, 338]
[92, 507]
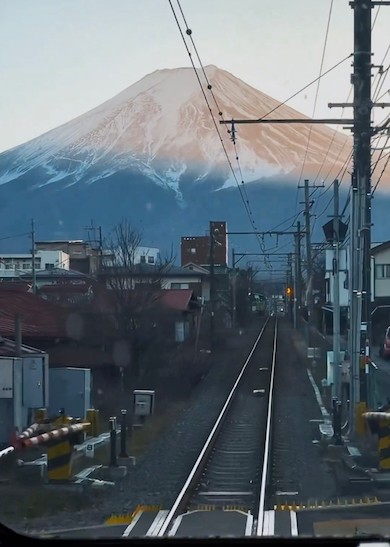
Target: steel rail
[267, 443]
[185, 493]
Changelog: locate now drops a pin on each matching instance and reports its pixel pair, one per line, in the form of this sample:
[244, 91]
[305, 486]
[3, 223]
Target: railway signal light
[289, 292]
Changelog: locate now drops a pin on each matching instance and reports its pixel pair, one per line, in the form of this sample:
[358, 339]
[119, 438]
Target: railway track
[232, 469]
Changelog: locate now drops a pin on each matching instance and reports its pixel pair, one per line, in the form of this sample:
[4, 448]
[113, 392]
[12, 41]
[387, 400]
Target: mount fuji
[152, 154]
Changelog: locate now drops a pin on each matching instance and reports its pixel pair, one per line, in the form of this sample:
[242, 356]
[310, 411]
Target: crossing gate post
[123, 450]
[113, 456]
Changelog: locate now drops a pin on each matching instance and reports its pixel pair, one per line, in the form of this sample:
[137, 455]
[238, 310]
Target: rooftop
[40, 319]
[178, 299]
[8, 349]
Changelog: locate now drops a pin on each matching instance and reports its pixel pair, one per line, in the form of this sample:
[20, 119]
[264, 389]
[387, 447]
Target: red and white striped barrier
[27, 433]
[6, 451]
[380, 416]
[55, 434]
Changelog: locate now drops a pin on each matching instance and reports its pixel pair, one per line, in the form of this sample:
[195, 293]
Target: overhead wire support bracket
[335, 121]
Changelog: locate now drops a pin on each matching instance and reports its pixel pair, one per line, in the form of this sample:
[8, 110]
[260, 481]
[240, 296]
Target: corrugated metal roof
[40, 319]
[8, 349]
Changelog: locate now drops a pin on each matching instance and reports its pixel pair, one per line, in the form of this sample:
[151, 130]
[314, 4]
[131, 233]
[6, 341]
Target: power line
[317, 89]
[306, 86]
[241, 188]
[210, 111]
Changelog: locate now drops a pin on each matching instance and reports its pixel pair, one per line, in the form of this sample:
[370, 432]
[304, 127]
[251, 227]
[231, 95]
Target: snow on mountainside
[160, 127]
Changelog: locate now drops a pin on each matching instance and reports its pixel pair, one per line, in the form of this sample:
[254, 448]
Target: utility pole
[309, 289]
[360, 246]
[212, 288]
[299, 270]
[297, 275]
[362, 166]
[234, 290]
[288, 287]
[34, 276]
[100, 248]
[336, 294]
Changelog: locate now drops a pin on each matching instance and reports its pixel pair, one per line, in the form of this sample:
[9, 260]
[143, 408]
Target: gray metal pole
[234, 290]
[309, 291]
[295, 288]
[336, 295]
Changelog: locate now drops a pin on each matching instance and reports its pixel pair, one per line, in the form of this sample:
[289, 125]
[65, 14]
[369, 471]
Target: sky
[60, 58]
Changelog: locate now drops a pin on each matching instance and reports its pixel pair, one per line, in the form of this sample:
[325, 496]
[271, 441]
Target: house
[184, 310]
[191, 276]
[380, 292]
[15, 265]
[56, 276]
[380, 288]
[83, 256]
[41, 321]
[146, 255]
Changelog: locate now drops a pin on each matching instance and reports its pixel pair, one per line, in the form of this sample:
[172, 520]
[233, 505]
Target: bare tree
[132, 293]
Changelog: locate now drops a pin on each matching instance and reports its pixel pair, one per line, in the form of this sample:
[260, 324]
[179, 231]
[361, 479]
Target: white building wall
[166, 283]
[147, 255]
[382, 273]
[13, 264]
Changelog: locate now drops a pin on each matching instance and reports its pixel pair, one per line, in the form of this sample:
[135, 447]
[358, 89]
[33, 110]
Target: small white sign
[90, 450]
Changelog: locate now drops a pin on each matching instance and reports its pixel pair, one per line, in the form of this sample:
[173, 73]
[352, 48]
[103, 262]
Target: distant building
[146, 255]
[83, 256]
[196, 249]
[13, 265]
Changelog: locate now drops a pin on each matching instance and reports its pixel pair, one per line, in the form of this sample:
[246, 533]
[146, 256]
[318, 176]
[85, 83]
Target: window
[179, 286]
[142, 259]
[26, 266]
[49, 266]
[382, 271]
[150, 259]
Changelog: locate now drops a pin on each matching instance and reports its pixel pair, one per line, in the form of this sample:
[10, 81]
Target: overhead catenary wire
[241, 187]
[317, 90]
[210, 111]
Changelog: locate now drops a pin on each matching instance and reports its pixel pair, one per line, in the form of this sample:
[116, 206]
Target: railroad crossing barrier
[64, 440]
[379, 423]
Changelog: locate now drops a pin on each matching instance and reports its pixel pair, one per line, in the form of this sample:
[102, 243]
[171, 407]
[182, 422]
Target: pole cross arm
[335, 121]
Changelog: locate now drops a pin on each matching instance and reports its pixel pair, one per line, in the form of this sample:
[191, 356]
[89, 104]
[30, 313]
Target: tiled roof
[177, 299]
[40, 319]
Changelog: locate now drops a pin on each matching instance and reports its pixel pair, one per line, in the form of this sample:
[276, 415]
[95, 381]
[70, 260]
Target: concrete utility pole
[212, 287]
[33, 271]
[309, 289]
[362, 168]
[297, 275]
[336, 294]
[234, 290]
[289, 284]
